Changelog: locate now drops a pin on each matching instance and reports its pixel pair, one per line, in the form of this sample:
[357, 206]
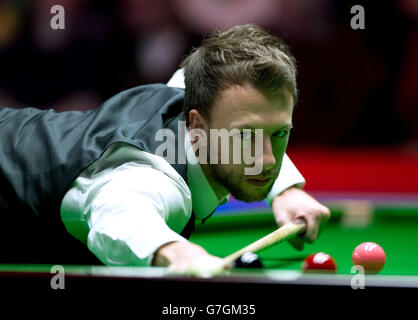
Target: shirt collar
[204, 199]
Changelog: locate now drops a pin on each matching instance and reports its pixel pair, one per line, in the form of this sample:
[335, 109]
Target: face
[242, 107]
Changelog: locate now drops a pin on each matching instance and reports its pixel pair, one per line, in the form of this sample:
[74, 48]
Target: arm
[133, 217]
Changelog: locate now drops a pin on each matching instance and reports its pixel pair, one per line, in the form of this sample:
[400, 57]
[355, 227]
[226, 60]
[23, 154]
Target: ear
[196, 120]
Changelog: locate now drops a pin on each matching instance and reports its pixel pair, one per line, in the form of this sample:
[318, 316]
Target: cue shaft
[283, 233]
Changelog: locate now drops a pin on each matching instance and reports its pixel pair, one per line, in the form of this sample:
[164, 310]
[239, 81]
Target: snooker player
[97, 175]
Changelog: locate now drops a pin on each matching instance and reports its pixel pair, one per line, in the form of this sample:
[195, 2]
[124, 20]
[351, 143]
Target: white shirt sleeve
[129, 221]
[125, 214]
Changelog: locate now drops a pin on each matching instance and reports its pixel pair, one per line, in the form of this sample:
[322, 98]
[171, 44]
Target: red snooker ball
[370, 256]
[319, 262]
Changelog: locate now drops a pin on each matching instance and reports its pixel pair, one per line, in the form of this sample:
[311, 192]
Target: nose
[269, 161]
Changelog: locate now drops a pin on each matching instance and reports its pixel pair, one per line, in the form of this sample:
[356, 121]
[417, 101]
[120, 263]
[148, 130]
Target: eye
[280, 133]
[246, 134]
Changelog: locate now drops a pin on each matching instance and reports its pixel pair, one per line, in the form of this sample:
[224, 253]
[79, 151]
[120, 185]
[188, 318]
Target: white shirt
[130, 202]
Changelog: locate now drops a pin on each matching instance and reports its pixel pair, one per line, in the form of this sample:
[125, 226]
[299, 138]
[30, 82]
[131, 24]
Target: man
[104, 171]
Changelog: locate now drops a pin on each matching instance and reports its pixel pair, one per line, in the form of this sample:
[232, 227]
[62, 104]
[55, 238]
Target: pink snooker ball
[370, 256]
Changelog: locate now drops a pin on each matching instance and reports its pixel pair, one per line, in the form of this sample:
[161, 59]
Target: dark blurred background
[357, 87]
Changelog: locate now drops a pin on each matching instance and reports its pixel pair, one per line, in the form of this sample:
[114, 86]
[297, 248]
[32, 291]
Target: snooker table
[396, 230]
[281, 279]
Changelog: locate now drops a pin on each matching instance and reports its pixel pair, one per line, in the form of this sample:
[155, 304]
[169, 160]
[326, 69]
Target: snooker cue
[283, 233]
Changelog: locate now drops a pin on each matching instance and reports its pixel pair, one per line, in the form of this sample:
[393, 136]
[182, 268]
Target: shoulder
[150, 91]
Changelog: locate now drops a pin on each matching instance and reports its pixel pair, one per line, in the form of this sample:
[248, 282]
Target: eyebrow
[252, 127]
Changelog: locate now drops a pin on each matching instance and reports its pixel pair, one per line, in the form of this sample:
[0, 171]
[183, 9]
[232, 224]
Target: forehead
[244, 104]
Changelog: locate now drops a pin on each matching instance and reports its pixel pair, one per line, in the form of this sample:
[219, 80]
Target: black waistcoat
[42, 153]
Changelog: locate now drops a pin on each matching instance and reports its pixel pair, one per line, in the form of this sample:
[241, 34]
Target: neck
[218, 188]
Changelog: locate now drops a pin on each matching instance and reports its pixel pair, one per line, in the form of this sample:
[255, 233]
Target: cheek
[234, 172]
[279, 148]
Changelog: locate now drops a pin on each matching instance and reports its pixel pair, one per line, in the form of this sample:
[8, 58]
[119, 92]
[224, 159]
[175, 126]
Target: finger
[207, 266]
[322, 219]
[176, 269]
[312, 226]
[228, 266]
[325, 213]
[282, 219]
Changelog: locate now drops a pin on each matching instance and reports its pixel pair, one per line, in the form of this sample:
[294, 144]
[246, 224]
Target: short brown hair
[236, 56]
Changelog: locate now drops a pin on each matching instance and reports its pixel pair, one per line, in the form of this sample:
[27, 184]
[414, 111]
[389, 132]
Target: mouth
[259, 181]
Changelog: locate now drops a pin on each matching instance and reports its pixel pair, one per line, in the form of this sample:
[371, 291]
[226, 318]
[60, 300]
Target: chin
[249, 199]
[250, 196]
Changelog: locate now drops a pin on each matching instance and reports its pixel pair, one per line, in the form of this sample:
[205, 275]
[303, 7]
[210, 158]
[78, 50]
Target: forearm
[128, 220]
[127, 232]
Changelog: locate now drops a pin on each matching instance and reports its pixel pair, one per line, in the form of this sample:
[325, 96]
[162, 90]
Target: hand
[188, 259]
[294, 204]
